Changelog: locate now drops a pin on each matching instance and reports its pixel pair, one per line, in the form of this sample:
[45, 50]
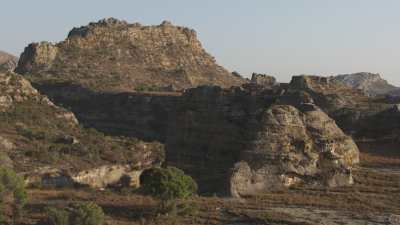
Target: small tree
[168, 183]
[12, 192]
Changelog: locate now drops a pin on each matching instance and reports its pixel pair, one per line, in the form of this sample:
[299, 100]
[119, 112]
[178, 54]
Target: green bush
[12, 192]
[87, 213]
[57, 216]
[168, 183]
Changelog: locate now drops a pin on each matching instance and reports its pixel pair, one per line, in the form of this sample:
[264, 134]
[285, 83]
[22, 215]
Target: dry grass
[376, 192]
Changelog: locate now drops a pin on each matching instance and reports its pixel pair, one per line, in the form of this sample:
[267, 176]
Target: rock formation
[263, 80]
[274, 141]
[112, 55]
[8, 62]
[45, 141]
[372, 84]
[207, 129]
[293, 147]
[260, 136]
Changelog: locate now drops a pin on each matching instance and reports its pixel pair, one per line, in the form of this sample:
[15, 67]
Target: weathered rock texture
[372, 84]
[280, 140]
[346, 105]
[44, 140]
[206, 129]
[112, 55]
[263, 80]
[293, 147]
[8, 62]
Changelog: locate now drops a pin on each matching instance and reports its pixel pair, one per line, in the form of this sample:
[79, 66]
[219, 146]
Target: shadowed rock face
[8, 62]
[295, 146]
[112, 55]
[268, 145]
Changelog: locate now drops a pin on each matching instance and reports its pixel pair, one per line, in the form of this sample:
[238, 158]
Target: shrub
[168, 183]
[57, 216]
[12, 191]
[87, 213]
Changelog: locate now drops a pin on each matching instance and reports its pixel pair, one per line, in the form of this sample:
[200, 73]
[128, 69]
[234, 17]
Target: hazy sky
[277, 37]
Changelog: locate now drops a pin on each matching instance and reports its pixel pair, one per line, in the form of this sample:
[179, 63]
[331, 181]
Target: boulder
[294, 147]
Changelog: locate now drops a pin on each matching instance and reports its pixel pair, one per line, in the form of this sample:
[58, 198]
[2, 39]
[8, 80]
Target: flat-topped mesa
[113, 55]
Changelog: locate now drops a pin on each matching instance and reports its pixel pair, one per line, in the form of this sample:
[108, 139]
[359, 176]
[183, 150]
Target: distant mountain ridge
[8, 62]
[372, 84]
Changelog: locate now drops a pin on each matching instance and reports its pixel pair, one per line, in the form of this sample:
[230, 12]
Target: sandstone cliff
[112, 55]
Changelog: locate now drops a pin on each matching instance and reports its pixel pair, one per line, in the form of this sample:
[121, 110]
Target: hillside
[112, 55]
[371, 84]
[44, 141]
[8, 62]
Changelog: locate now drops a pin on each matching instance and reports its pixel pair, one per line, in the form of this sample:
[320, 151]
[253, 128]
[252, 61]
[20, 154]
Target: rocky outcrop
[271, 145]
[263, 80]
[8, 62]
[112, 55]
[98, 178]
[108, 175]
[16, 89]
[295, 146]
[346, 105]
[370, 83]
[37, 57]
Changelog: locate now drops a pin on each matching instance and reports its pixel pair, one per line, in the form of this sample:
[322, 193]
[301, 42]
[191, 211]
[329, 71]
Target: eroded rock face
[37, 57]
[112, 55]
[295, 146]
